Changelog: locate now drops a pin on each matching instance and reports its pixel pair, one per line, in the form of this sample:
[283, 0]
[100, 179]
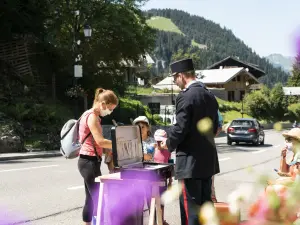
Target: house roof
[149, 59]
[231, 61]
[291, 90]
[221, 76]
[215, 76]
[166, 83]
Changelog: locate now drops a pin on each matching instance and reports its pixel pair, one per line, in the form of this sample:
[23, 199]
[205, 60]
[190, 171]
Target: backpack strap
[86, 138]
[93, 140]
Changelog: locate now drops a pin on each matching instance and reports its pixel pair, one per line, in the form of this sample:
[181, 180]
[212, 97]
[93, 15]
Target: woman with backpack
[90, 131]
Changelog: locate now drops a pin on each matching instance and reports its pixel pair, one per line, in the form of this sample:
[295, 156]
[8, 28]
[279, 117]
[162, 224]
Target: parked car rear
[245, 130]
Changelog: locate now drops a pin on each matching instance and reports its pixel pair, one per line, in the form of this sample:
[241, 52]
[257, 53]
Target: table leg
[152, 211]
[100, 204]
[155, 208]
[158, 206]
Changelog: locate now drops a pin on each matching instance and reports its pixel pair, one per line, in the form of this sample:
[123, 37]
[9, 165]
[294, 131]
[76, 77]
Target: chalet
[228, 79]
[132, 69]
[231, 62]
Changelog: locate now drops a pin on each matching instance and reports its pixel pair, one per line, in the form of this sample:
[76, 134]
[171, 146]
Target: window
[246, 123]
[238, 78]
[230, 96]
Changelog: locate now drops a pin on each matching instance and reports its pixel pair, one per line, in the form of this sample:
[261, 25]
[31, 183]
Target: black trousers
[89, 168]
[195, 193]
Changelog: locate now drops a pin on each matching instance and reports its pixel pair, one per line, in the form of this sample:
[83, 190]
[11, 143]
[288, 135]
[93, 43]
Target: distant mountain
[278, 60]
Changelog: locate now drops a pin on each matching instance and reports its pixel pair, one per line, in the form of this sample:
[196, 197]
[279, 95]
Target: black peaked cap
[181, 66]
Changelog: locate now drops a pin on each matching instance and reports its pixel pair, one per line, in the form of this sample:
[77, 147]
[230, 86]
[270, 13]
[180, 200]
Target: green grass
[146, 91]
[201, 46]
[164, 24]
[140, 90]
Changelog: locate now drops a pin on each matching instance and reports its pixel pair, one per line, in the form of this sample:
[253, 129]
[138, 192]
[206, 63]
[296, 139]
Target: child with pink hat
[162, 155]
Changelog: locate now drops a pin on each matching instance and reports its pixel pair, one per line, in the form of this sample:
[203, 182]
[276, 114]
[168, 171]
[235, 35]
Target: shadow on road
[22, 161]
[254, 146]
[224, 148]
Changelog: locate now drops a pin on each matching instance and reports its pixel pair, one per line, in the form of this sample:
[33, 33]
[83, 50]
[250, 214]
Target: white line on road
[76, 187]
[28, 168]
[224, 159]
[260, 151]
[276, 146]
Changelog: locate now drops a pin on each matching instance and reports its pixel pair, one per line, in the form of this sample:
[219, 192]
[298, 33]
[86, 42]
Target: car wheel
[255, 142]
[262, 142]
[229, 142]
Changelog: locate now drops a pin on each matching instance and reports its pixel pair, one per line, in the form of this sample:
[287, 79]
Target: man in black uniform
[196, 154]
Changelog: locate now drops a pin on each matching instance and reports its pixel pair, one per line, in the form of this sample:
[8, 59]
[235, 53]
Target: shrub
[228, 106]
[277, 103]
[44, 115]
[130, 109]
[257, 105]
[294, 111]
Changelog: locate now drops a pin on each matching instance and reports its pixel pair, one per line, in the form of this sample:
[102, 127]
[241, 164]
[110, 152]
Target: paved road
[50, 191]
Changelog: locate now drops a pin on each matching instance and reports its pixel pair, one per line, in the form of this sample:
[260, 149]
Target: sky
[267, 26]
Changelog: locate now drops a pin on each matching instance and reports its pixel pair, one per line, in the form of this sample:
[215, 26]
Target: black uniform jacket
[196, 154]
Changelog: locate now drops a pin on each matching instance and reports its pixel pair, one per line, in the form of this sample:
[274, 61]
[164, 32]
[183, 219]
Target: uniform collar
[189, 84]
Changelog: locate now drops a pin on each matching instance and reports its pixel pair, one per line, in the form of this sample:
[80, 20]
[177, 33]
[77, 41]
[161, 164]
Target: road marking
[28, 168]
[276, 146]
[76, 187]
[260, 151]
[224, 159]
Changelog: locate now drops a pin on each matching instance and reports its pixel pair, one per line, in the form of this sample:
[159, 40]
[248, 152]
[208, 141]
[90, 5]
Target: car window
[245, 123]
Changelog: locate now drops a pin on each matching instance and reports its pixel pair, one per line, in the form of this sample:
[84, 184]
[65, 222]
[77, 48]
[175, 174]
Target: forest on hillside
[220, 42]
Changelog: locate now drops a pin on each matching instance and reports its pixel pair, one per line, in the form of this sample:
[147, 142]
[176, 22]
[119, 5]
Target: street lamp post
[78, 73]
[87, 30]
[246, 84]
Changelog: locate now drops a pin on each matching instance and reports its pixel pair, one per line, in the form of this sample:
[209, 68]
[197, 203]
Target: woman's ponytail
[107, 96]
[97, 93]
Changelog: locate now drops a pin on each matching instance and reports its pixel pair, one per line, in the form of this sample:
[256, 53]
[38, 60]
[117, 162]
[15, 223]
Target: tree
[19, 18]
[257, 105]
[120, 36]
[294, 80]
[277, 102]
[294, 112]
[220, 44]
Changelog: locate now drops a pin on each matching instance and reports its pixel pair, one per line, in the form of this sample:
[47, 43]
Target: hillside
[165, 24]
[278, 60]
[206, 42]
[162, 23]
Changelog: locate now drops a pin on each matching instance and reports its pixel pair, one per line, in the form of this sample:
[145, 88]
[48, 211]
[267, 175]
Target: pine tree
[294, 80]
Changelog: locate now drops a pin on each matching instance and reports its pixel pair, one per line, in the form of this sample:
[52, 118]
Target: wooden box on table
[128, 156]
